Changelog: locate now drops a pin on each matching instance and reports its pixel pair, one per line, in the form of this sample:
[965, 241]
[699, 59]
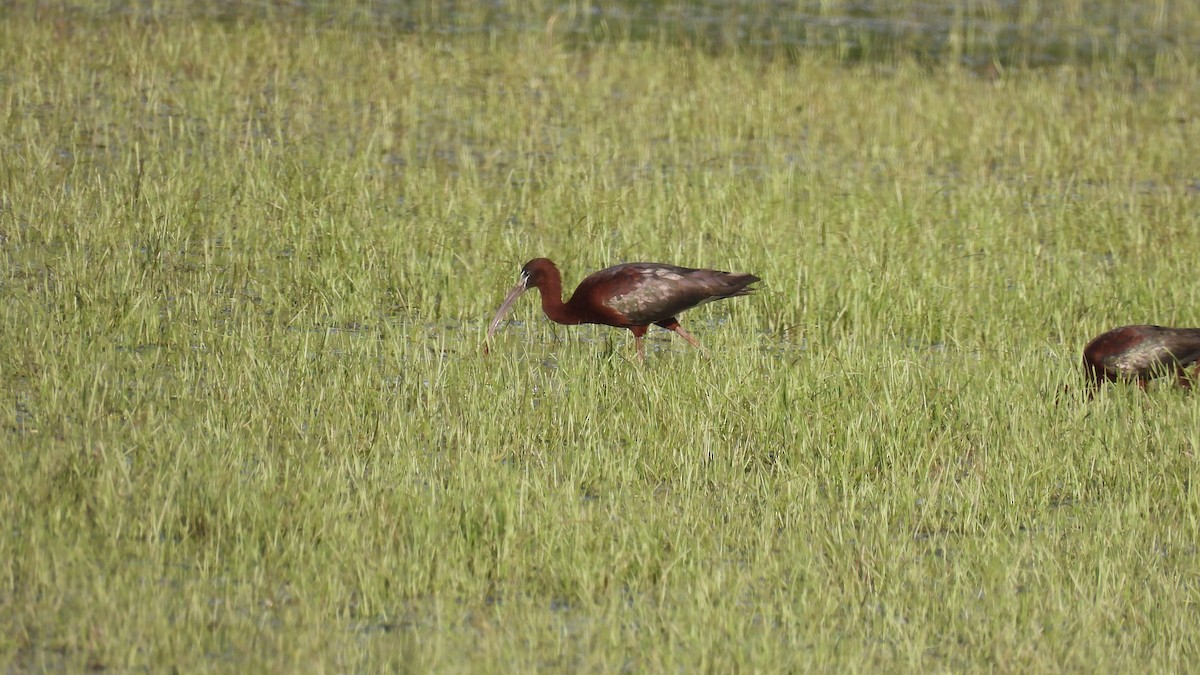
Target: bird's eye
[524, 277]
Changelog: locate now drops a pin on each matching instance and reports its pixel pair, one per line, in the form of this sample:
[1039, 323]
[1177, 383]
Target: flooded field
[248, 254]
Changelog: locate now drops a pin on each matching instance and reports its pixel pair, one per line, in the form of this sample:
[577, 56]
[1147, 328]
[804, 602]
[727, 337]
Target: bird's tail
[1183, 341]
[737, 284]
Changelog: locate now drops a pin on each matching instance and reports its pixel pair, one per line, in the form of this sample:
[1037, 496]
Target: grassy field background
[246, 262]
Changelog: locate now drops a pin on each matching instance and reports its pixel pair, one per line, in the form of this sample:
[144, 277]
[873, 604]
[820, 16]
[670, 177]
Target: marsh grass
[247, 424]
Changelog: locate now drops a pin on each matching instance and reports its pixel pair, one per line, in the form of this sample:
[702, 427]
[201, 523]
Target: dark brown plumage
[1140, 353]
[633, 295]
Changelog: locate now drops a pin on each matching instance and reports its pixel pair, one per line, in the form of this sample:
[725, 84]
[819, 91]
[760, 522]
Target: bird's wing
[645, 293]
[1140, 358]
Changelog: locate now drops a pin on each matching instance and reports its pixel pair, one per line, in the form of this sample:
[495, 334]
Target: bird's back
[639, 294]
[1143, 351]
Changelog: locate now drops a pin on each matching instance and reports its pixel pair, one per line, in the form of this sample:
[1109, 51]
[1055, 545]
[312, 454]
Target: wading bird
[1141, 353]
[631, 296]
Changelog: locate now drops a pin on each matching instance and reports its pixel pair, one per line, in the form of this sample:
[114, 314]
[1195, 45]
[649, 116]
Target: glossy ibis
[1141, 353]
[633, 296]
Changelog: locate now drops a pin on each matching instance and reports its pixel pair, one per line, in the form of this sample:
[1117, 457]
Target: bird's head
[535, 274]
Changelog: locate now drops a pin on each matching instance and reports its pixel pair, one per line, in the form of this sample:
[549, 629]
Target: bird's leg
[638, 332]
[1184, 380]
[673, 324]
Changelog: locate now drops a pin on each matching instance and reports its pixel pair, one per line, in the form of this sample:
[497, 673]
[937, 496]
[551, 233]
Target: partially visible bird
[1140, 353]
[633, 296]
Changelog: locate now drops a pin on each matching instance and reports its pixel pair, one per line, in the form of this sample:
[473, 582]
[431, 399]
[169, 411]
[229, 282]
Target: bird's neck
[553, 306]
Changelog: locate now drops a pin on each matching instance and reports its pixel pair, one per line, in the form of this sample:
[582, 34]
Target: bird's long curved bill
[504, 307]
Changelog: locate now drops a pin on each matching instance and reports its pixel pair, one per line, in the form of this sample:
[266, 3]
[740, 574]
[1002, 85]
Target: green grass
[246, 424]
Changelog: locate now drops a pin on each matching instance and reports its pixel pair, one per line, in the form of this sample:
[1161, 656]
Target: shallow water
[984, 35]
